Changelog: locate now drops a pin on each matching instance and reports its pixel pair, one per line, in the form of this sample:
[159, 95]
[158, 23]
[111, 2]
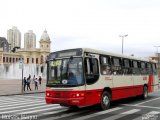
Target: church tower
[44, 46]
[45, 42]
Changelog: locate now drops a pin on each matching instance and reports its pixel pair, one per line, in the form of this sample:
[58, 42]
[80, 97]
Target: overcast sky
[87, 23]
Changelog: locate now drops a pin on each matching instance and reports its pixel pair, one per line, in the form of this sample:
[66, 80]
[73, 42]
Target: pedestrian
[36, 84]
[25, 82]
[28, 84]
[40, 80]
[34, 78]
[29, 76]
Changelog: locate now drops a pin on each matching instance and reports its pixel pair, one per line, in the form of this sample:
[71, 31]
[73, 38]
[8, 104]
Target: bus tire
[145, 93]
[105, 100]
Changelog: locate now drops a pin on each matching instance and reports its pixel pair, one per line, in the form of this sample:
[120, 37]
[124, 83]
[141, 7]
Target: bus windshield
[67, 71]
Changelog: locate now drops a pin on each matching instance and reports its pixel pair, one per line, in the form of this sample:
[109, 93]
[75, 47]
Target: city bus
[84, 77]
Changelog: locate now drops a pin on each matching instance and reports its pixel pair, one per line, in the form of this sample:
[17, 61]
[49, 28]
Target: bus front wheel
[105, 100]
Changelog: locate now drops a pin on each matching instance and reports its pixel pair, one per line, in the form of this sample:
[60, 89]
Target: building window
[32, 60]
[6, 59]
[13, 60]
[42, 46]
[47, 46]
[16, 59]
[3, 59]
[27, 60]
[36, 60]
[10, 60]
[41, 59]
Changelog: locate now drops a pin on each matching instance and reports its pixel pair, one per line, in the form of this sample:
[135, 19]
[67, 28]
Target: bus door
[91, 69]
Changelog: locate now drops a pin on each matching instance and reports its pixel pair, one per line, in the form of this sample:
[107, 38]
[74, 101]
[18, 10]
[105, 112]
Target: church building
[29, 54]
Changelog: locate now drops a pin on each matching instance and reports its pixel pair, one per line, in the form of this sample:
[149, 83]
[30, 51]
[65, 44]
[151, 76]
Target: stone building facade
[29, 56]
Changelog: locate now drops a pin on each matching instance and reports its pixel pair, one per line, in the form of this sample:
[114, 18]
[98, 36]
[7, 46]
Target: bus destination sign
[67, 53]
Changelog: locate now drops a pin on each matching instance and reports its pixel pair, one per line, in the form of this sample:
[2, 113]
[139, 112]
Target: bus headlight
[47, 94]
[78, 95]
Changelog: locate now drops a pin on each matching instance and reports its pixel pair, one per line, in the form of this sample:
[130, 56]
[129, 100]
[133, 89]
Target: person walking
[36, 84]
[40, 80]
[28, 84]
[29, 76]
[25, 83]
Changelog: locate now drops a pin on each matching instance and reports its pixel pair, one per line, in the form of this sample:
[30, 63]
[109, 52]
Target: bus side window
[91, 70]
[143, 68]
[149, 69]
[105, 65]
[154, 68]
[136, 68]
[126, 66]
[116, 66]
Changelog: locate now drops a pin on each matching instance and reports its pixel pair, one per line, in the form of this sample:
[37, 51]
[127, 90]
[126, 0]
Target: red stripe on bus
[93, 96]
[127, 91]
[150, 83]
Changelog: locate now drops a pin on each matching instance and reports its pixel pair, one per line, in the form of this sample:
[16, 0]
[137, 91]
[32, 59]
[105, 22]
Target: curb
[21, 94]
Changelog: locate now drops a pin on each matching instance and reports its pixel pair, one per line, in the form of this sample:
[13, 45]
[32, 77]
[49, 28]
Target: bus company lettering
[145, 78]
[108, 78]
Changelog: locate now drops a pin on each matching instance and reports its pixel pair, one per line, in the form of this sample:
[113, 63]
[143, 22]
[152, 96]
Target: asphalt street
[33, 106]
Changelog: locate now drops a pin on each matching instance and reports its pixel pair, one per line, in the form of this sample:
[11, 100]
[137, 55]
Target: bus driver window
[91, 70]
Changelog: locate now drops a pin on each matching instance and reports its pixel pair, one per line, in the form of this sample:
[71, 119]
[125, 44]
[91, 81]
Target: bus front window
[66, 71]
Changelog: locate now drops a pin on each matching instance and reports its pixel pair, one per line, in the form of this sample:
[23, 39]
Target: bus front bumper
[66, 101]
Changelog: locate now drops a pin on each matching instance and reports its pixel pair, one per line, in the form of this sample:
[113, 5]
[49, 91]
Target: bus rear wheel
[105, 100]
[145, 93]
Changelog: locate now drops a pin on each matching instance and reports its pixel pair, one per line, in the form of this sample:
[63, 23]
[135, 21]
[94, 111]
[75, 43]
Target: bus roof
[113, 54]
[101, 52]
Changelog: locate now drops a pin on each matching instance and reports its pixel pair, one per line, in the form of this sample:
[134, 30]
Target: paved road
[22, 106]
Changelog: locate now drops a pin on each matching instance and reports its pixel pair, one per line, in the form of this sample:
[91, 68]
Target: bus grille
[61, 95]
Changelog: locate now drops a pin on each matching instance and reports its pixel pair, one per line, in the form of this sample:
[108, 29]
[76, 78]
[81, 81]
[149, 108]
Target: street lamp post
[21, 67]
[123, 40]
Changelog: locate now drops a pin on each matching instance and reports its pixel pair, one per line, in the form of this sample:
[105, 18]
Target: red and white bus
[84, 77]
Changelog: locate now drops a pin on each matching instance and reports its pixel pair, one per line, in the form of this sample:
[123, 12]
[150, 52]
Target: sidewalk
[14, 87]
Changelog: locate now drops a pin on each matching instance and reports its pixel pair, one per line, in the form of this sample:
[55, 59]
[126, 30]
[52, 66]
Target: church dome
[45, 36]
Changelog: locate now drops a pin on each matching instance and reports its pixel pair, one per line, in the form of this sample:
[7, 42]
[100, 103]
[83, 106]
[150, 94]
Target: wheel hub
[105, 100]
